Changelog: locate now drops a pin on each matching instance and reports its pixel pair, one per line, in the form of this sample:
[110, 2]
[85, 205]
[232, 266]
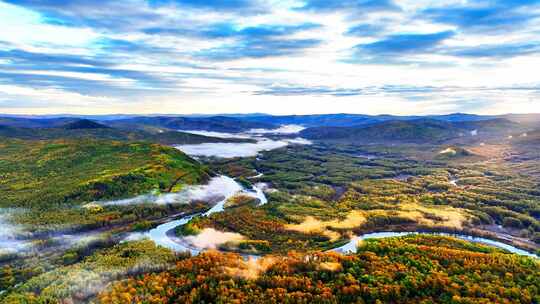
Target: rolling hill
[347, 120]
[52, 172]
[214, 123]
[413, 131]
[84, 124]
[530, 120]
[89, 129]
[531, 138]
[145, 123]
[23, 122]
[244, 122]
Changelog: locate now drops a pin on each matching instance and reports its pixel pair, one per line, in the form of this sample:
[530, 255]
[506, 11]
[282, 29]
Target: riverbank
[165, 235]
[519, 243]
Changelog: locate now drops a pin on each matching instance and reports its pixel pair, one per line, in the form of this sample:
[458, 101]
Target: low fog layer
[217, 188]
[299, 141]
[10, 235]
[223, 185]
[210, 238]
[284, 129]
[253, 133]
[230, 150]
[217, 134]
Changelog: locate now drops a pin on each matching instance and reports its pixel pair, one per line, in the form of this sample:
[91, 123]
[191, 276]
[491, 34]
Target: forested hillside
[400, 270]
[80, 129]
[419, 131]
[214, 123]
[100, 212]
[45, 173]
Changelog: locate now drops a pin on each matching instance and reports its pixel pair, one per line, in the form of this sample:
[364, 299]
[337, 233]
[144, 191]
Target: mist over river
[231, 150]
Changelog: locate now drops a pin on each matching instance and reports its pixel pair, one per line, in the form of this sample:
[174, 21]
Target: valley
[111, 212]
[269, 152]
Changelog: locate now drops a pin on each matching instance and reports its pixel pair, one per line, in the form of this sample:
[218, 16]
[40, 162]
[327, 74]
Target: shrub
[512, 222]
[142, 225]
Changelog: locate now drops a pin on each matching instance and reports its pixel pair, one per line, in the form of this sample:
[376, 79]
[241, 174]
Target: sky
[278, 57]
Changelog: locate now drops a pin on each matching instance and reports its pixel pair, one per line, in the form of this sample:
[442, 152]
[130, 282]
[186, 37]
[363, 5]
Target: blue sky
[279, 57]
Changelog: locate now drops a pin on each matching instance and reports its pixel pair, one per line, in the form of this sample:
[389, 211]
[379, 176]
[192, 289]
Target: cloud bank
[239, 56]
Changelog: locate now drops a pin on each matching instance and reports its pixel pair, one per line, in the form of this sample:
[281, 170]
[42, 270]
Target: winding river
[163, 235]
[350, 247]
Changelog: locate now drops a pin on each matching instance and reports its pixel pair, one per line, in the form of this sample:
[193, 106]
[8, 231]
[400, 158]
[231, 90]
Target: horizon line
[59, 115]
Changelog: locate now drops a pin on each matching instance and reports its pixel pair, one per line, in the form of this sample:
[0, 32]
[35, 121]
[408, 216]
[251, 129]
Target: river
[350, 247]
[164, 235]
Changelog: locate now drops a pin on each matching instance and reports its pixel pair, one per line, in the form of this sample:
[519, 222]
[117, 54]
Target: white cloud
[198, 85]
[18, 99]
[22, 26]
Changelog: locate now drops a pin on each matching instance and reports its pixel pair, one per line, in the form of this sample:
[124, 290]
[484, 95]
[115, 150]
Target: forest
[81, 204]
[402, 270]
[284, 151]
[403, 188]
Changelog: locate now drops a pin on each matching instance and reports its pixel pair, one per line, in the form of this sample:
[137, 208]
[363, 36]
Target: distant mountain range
[349, 127]
[345, 120]
[72, 128]
[253, 120]
[214, 123]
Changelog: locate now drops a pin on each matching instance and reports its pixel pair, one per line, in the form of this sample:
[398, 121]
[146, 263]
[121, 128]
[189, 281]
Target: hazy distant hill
[316, 120]
[239, 122]
[414, 131]
[242, 122]
[215, 123]
[490, 125]
[529, 120]
[35, 122]
[84, 124]
[347, 120]
[88, 129]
